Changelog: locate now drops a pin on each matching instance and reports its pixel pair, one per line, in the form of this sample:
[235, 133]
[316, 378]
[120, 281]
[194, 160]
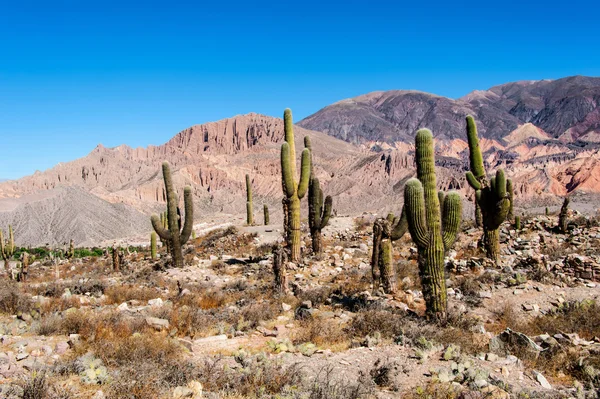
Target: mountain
[567, 109]
[213, 158]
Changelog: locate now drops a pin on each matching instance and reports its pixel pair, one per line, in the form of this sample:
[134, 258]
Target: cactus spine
[293, 190]
[433, 226]
[174, 235]
[563, 221]
[385, 231]
[7, 248]
[153, 245]
[266, 214]
[491, 195]
[249, 208]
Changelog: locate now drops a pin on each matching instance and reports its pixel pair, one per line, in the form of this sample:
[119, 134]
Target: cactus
[25, 261]
[433, 226]
[509, 190]
[319, 212]
[280, 257]
[293, 190]
[249, 208]
[174, 235]
[563, 221]
[71, 251]
[7, 248]
[153, 245]
[491, 195]
[266, 214]
[547, 211]
[115, 257]
[478, 217]
[517, 222]
[193, 234]
[385, 231]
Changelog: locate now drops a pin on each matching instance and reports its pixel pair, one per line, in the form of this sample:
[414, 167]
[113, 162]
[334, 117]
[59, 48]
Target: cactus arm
[499, 215]
[304, 173]
[493, 184]
[441, 197]
[188, 225]
[451, 218]
[500, 184]
[288, 126]
[326, 211]
[415, 212]
[400, 226]
[475, 156]
[160, 230]
[286, 170]
[473, 182]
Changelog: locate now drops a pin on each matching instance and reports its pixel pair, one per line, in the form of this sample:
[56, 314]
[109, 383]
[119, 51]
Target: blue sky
[77, 73]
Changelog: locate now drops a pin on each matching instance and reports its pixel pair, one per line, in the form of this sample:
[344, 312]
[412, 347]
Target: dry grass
[122, 293]
[328, 333]
[12, 300]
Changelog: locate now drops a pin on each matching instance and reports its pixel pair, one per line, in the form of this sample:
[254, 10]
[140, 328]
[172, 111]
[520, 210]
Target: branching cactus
[319, 214]
[249, 208]
[319, 211]
[385, 231]
[491, 195]
[266, 214]
[563, 221]
[174, 235]
[7, 248]
[293, 190]
[433, 225]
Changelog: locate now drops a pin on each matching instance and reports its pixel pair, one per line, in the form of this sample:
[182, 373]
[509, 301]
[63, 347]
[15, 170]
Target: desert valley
[398, 244]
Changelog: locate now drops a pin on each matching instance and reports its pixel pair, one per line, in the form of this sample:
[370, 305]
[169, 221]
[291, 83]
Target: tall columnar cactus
[433, 225]
[153, 245]
[511, 199]
[491, 195]
[71, 252]
[7, 248]
[249, 207]
[385, 231]
[563, 221]
[174, 235]
[319, 211]
[266, 214]
[517, 222]
[293, 190]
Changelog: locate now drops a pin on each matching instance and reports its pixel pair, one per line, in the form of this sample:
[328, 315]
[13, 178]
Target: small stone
[123, 307]
[286, 307]
[157, 324]
[542, 380]
[485, 294]
[158, 302]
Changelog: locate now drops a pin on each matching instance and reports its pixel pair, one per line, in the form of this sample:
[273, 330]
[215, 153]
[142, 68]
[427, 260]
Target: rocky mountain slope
[542, 132]
[567, 109]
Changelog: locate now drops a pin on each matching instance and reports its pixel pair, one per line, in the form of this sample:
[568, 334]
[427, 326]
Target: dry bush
[363, 223]
[317, 295]
[388, 323]
[256, 312]
[322, 333]
[12, 300]
[122, 293]
[198, 323]
[259, 378]
[406, 268]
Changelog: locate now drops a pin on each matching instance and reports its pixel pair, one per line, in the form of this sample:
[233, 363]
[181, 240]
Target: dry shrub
[323, 333]
[260, 377]
[122, 293]
[368, 321]
[197, 323]
[12, 300]
[363, 223]
[257, 312]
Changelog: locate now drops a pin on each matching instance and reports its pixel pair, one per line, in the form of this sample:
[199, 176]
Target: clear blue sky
[77, 73]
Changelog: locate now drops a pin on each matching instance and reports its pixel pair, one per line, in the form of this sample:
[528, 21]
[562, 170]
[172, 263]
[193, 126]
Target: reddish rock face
[215, 157]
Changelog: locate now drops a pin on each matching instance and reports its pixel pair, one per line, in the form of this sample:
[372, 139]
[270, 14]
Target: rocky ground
[527, 328]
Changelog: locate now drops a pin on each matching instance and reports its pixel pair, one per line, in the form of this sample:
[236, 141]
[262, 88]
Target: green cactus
[517, 222]
[319, 212]
[547, 211]
[385, 231]
[153, 245]
[7, 248]
[491, 195]
[266, 214]
[509, 190]
[293, 190]
[433, 226]
[174, 235]
[563, 221]
[249, 207]
[71, 251]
